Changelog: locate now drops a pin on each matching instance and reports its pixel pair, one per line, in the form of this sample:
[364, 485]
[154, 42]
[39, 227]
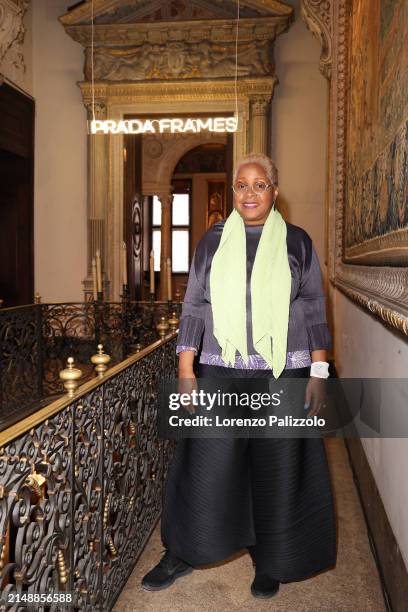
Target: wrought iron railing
[81, 486]
[35, 341]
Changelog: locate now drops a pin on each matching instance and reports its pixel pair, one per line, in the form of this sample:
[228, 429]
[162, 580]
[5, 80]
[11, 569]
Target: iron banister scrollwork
[54, 407]
[37, 339]
[81, 484]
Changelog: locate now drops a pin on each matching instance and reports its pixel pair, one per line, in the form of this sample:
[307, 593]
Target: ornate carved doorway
[164, 58]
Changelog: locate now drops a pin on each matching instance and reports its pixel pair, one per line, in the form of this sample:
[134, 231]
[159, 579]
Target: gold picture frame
[372, 270]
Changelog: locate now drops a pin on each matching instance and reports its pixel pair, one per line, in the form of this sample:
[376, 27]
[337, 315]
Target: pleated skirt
[272, 496]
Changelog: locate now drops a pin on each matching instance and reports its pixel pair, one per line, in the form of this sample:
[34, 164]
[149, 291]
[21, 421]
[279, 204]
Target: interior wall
[366, 348]
[60, 157]
[299, 131]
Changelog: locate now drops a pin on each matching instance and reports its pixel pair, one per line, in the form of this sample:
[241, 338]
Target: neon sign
[164, 125]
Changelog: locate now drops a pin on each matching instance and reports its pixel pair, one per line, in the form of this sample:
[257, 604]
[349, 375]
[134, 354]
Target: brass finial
[111, 546]
[37, 298]
[162, 327]
[138, 347]
[70, 376]
[101, 360]
[132, 428]
[4, 548]
[62, 570]
[177, 295]
[173, 320]
[106, 509]
[35, 482]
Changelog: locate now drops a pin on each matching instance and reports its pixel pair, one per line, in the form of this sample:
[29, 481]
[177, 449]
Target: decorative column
[165, 252]
[259, 124]
[97, 198]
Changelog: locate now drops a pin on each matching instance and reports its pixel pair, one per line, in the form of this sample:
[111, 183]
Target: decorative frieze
[179, 60]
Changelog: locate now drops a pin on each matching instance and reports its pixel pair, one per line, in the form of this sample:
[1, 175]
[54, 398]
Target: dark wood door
[16, 197]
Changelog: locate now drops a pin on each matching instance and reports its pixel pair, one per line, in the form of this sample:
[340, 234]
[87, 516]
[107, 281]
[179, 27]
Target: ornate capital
[12, 33]
[318, 16]
[259, 106]
[165, 199]
[98, 108]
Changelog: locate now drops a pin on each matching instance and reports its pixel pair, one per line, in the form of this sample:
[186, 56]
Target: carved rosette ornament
[318, 16]
[12, 33]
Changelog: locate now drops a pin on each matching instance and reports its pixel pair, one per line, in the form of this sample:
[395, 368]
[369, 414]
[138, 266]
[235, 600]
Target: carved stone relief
[179, 60]
[176, 9]
[12, 33]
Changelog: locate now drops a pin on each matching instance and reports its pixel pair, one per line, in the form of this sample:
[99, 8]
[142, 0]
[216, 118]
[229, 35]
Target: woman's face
[253, 207]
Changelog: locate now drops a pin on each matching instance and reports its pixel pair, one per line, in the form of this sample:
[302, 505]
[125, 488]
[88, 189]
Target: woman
[261, 316]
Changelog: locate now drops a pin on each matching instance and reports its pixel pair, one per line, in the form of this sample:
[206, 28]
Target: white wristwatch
[319, 369]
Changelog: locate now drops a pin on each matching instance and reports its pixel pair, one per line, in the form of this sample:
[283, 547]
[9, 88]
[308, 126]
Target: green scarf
[270, 292]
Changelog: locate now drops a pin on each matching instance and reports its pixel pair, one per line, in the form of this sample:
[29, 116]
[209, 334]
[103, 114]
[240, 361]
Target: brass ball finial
[101, 361]
[37, 298]
[70, 376]
[173, 320]
[162, 327]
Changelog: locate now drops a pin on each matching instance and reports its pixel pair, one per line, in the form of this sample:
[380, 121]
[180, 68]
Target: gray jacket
[307, 330]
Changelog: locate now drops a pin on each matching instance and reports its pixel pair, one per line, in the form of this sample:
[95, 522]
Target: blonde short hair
[266, 162]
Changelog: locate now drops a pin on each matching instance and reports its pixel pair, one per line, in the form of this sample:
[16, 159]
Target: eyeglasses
[259, 187]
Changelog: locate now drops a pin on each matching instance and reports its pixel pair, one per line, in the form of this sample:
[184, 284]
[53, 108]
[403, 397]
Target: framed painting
[376, 212]
[368, 177]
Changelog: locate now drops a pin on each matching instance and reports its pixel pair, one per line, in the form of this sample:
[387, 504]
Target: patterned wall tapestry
[376, 212]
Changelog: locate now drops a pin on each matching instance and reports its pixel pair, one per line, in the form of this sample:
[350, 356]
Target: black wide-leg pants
[270, 495]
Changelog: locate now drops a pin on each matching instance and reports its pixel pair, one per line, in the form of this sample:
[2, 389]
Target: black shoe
[263, 586]
[165, 572]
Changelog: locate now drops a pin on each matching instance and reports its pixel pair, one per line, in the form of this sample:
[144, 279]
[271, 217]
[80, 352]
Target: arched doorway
[174, 206]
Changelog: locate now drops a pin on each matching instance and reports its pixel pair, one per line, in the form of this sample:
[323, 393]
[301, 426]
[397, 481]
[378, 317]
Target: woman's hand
[315, 395]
